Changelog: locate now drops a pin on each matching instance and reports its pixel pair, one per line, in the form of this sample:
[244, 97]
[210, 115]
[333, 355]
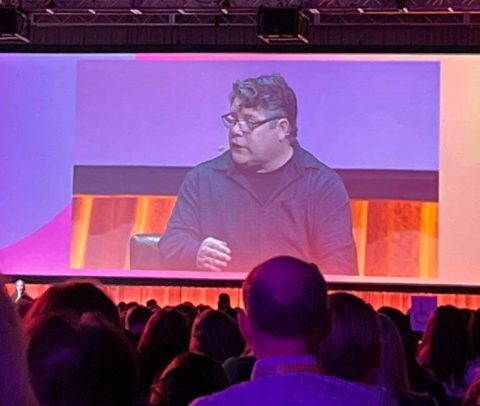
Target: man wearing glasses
[264, 197]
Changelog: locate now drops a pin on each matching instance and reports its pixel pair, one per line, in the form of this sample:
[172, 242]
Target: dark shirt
[307, 215]
[265, 184]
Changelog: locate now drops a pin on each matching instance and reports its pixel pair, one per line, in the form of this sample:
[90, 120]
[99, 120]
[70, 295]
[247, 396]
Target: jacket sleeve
[332, 243]
[179, 245]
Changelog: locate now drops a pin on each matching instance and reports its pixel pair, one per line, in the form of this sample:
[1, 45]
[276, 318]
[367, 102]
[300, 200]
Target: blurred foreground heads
[77, 353]
[80, 362]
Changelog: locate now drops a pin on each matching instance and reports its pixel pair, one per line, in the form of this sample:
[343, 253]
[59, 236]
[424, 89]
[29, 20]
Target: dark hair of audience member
[301, 314]
[79, 297]
[189, 311]
[392, 373]
[202, 307]
[239, 369]
[420, 379]
[474, 333]
[81, 361]
[223, 301]
[352, 348]
[445, 347]
[15, 387]
[216, 335]
[165, 336]
[135, 321]
[187, 377]
[152, 305]
[121, 306]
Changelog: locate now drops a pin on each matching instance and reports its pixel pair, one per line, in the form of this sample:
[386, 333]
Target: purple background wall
[372, 115]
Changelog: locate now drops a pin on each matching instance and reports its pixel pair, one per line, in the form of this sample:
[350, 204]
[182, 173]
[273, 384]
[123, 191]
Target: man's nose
[235, 130]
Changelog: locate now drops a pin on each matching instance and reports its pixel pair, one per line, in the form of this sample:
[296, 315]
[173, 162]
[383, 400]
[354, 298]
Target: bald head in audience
[285, 308]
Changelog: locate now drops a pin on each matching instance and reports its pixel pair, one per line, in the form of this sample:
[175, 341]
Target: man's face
[258, 148]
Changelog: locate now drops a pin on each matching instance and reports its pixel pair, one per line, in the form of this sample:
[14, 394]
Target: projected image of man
[265, 196]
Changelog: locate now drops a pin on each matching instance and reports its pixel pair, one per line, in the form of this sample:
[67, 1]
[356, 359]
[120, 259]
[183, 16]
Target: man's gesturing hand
[213, 255]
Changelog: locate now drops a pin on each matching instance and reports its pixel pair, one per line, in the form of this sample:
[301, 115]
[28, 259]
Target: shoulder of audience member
[345, 392]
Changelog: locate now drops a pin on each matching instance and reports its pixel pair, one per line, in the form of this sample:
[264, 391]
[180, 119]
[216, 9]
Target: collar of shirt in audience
[285, 365]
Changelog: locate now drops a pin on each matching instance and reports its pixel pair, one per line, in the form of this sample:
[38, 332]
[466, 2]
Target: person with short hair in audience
[80, 361]
[165, 336]
[392, 373]
[445, 351]
[223, 302]
[152, 305]
[285, 318]
[224, 306]
[76, 296]
[420, 379]
[187, 377]
[216, 335]
[352, 348]
[135, 321]
[15, 387]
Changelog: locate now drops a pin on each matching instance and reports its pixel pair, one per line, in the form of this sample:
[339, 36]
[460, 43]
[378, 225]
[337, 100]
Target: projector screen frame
[433, 287]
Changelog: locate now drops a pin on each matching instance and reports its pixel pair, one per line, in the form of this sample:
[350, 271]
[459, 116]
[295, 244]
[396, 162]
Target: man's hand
[213, 255]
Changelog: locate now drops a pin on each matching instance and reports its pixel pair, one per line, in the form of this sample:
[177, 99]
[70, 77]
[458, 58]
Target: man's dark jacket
[308, 217]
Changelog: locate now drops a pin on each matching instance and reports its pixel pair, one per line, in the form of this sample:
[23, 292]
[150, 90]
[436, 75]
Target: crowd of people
[291, 344]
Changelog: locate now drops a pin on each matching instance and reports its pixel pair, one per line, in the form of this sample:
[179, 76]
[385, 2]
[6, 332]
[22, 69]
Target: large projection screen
[94, 147]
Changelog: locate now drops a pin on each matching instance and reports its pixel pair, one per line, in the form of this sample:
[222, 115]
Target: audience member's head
[80, 362]
[136, 319]
[419, 378]
[202, 307]
[186, 378]
[445, 347]
[392, 373]
[152, 305]
[239, 369]
[402, 323]
[165, 336]
[15, 388]
[189, 311]
[223, 301]
[122, 306]
[76, 296]
[285, 308]
[351, 350]
[216, 335]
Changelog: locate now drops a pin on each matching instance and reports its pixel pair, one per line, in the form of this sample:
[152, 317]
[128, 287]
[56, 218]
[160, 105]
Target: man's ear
[245, 325]
[284, 126]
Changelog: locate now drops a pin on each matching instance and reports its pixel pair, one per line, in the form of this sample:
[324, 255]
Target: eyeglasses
[246, 126]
